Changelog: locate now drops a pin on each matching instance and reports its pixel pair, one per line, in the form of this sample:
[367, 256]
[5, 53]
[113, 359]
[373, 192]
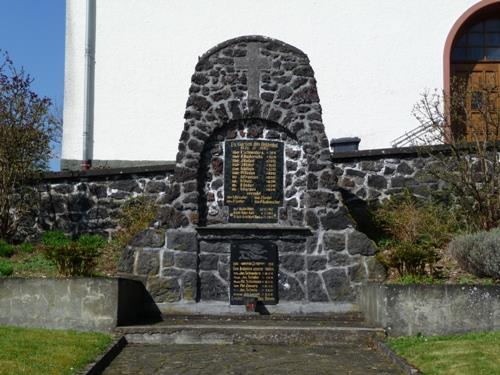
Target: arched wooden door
[475, 79]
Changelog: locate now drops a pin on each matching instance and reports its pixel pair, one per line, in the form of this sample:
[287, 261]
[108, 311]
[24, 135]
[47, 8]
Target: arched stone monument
[255, 211]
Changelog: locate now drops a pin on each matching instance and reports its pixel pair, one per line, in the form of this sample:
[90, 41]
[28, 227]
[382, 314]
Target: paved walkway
[249, 359]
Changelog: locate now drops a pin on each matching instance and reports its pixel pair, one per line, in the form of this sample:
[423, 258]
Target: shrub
[137, 215]
[26, 247]
[478, 253]
[416, 230]
[6, 269]
[6, 250]
[73, 258]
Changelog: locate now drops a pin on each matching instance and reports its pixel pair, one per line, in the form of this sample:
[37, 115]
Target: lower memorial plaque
[254, 272]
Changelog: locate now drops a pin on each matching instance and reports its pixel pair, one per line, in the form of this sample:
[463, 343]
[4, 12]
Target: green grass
[471, 354]
[39, 351]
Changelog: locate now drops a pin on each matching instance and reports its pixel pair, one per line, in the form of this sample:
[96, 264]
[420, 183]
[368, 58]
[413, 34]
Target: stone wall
[88, 304]
[374, 175]
[193, 265]
[81, 202]
[408, 310]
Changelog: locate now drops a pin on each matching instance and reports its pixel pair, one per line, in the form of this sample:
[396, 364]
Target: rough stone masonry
[253, 88]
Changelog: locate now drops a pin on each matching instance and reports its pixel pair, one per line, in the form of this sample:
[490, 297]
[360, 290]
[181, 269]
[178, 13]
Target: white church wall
[372, 59]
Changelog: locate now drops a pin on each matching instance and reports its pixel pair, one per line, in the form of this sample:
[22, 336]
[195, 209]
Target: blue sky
[32, 32]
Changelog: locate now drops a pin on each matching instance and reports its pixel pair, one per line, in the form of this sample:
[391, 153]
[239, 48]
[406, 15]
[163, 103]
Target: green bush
[6, 250]
[6, 269]
[416, 230]
[26, 247]
[478, 253]
[73, 258]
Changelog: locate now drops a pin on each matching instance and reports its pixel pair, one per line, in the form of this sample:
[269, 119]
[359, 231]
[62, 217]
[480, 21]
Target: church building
[130, 64]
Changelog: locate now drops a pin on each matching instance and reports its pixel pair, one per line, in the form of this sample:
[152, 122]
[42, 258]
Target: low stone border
[431, 310]
[98, 367]
[404, 366]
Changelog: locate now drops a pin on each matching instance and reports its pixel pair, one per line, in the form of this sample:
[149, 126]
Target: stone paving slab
[249, 359]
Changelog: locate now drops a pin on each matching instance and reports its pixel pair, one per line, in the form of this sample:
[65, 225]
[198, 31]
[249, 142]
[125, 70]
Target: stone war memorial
[254, 211]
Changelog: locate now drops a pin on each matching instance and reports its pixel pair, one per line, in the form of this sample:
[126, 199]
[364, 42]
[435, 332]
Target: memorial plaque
[253, 181]
[254, 272]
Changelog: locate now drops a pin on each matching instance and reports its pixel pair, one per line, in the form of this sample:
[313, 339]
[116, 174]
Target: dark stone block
[354, 173]
[298, 82]
[338, 285]
[291, 165]
[404, 168]
[172, 272]
[292, 262]
[292, 154]
[199, 79]
[377, 182]
[291, 247]
[306, 95]
[170, 217]
[198, 102]
[315, 262]
[336, 220]
[312, 219]
[148, 262]
[98, 213]
[321, 199]
[337, 259]
[168, 258]
[189, 282]
[315, 289]
[223, 269]
[53, 204]
[274, 115]
[304, 71]
[216, 184]
[184, 240]
[186, 260]
[208, 262]
[212, 288]
[126, 261]
[400, 181]
[149, 238]
[267, 96]
[155, 187]
[371, 165]
[215, 247]
[312, 181]
[164, 290]
[63, 188]
[289, 288]
[79, 203]
[285, 92]
[99, 191]
[328, 180]
[359, 243]
[130, 186]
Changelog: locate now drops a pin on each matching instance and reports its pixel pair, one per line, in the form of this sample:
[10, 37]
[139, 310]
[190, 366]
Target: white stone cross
[253, 63]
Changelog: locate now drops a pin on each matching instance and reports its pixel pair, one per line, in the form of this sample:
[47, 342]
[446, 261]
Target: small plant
[6, 250]
[137, 215]
[6, 269]
[416, 230]
[26, 248]
[73, 258]
[478, 253]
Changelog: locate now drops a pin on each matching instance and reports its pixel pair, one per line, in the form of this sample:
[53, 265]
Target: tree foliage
[27, 127]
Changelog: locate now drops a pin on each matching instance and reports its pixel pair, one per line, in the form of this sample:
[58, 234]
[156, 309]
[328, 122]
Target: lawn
[40, 351]
[474, 354]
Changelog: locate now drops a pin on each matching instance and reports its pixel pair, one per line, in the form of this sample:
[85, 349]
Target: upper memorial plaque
[253, 181]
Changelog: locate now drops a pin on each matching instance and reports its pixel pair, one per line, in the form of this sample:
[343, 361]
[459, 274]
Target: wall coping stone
[105, 172]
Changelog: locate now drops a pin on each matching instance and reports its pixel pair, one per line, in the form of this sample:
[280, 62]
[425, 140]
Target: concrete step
[254, 330]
